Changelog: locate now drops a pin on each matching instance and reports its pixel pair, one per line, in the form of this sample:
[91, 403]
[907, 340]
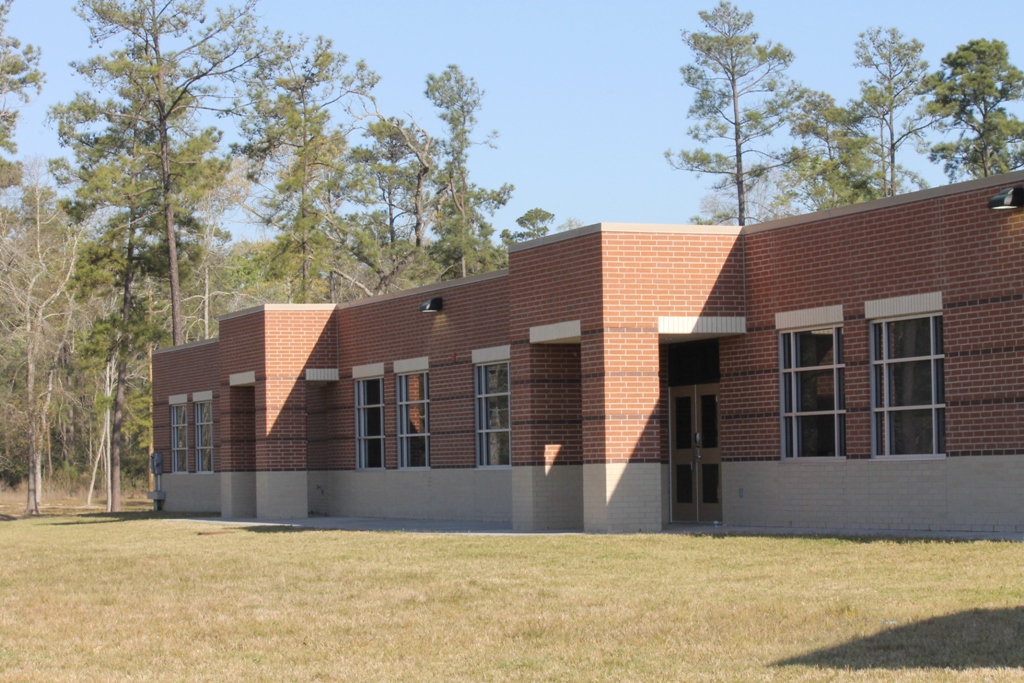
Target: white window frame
[881, 402]
[405, 435]
[203, 427]
[482, 431]
[362, 410]
[179, 455]
[789, 387]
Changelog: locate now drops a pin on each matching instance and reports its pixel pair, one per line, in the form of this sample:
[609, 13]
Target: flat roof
[1006, 179]
[190, 345]
[418, 291]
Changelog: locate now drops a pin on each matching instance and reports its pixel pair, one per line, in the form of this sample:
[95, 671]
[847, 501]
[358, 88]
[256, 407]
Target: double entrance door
[696, 461]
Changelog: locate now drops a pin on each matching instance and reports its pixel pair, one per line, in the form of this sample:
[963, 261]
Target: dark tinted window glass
[374, 422]
[374, 453]
[815, 348]
[911, 432]
[911, 383]
[684, 484]
[497, 378]
[817, 390]
[817, 436]
[684, 422]
[372, 392]
[909, 338]
[709, 421]
[417, 453]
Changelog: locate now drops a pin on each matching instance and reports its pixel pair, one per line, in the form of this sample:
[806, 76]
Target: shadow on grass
[277, 529]
[894, 537]
[981, 638]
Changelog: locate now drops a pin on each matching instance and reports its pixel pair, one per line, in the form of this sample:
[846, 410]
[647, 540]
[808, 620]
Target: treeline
[120, 247]
[777, 148]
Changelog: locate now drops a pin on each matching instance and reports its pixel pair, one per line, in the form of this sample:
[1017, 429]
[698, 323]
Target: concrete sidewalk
[431, 526]
[729, 530]
[438, 526]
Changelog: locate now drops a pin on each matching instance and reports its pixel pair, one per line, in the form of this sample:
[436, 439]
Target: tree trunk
[114, 474]
[46, 423]
[177, 333]
[32, 504]
[99, 456]
[892, 155]
[741, 190]
[206, 309]
[152, 478]
[166, 181]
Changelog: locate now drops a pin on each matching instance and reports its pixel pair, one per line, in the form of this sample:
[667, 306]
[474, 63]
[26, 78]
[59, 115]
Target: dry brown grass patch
[135, 597]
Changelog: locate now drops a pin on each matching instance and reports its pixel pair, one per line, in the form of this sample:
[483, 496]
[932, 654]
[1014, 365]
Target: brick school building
[860, 367]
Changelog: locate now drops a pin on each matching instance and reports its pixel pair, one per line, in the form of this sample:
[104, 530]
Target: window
[204, 436]
[813, 408]
[370, 423]
[413, 421]
[907, 393]
[179, 438]
[492, 415]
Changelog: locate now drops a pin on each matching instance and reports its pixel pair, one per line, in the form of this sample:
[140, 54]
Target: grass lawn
[133, 597]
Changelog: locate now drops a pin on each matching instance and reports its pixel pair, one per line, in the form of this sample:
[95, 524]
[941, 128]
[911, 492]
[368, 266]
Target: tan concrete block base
[456, 494]
[282, 495]
[238, 494]
[982, 493]
[191, 492]
[547, 498]
[622, 497]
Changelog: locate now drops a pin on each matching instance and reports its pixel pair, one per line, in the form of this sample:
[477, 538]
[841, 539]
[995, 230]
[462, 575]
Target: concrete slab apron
[435, 526]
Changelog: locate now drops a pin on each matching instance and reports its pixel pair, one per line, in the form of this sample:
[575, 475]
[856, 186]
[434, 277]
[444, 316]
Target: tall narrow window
[179, 438]
[493, 446]
[413, 421]
[370, 423]
[907, 388]
[813, 408]
[204, 436]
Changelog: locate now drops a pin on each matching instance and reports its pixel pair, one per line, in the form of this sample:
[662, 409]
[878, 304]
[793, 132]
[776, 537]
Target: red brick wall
[475, 316]
[237, 422]
[185, 370]
[555, 283]
[242, 347]
[602, 400]
[323, 427]
[294, 341]
[617, 284]
[952, 244]
[644, 277]
[547, 405]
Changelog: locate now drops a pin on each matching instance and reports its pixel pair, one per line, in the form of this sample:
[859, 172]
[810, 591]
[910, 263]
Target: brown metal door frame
[708, 455]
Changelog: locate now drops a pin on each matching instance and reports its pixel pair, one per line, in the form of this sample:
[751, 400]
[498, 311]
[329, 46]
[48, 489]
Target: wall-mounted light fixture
[432, 305]
[1010, 198]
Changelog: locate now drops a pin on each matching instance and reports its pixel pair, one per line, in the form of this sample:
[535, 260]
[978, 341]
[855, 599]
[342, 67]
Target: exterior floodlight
[1010, 198]
[433, 305]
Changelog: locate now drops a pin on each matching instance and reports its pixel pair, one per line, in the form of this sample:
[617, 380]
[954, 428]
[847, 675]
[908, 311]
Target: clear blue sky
[586, 96]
